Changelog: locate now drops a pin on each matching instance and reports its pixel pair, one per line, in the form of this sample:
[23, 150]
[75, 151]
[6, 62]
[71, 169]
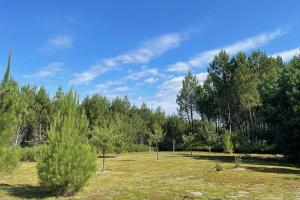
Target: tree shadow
[25, 191]
[277, 170]
[255, 160]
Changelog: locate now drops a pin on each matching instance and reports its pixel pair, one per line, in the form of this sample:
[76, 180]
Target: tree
[68, 161]
[97, 109]
[156, 136]
[209, 134]
[11, 109]
[175, 127]
[189, 142]
[227, 142]
[102, 138]
[186, 99]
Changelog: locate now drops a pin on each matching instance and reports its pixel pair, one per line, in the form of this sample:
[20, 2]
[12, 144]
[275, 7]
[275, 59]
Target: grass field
[174, 176]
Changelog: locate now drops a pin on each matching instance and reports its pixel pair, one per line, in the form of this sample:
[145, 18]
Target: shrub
[67, 162]
[29, 154]
[227, 142]
[9, 159]
[238, 161]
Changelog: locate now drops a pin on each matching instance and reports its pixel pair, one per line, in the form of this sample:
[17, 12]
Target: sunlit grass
[174, 176]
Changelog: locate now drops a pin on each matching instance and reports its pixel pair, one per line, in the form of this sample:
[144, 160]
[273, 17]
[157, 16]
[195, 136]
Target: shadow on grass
[24, 191]
[255, 160]
[277, 170]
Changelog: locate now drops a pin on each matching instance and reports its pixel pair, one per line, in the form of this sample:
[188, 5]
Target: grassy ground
[174, 176]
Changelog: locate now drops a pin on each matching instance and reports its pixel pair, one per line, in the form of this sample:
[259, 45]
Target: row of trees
[251, 100]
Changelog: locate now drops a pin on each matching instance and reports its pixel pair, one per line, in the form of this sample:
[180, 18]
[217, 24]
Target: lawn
[175, 176]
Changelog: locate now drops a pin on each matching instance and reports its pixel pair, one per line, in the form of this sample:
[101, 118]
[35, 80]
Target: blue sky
[141, 49]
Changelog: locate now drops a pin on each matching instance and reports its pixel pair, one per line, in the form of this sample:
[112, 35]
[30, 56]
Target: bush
[68, 161]
[238, 161]
[227, 142]
[9, 159]
[29, 154]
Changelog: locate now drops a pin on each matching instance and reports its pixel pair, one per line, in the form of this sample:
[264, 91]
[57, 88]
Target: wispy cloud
[146, 72]
[165, 96]
[151, 80]
[147, 51]
[206, 57]
[289, 54]
[57, 42]
[50, 70]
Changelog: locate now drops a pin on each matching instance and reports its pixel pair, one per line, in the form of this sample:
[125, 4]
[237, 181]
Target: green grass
[174, 176]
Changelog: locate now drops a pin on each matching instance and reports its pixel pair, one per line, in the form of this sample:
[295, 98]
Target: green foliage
[186, 99]
[67, 161]
[9, 159]
[189, 141]
[30, 154]
[135, 148]
[227, 142]
[11, 109]
[209, 134]
[238, 161]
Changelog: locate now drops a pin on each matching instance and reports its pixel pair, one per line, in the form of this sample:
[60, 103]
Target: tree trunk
[191, 152]
[174, 142]
[209, 149]
[157, 151]
[103, 160]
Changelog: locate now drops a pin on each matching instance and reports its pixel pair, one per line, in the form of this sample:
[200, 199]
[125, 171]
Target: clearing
[175, 176]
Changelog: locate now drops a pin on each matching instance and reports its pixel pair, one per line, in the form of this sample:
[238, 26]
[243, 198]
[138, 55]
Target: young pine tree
[10, 110]
[156, 136]
[227, 142]
[67, 161]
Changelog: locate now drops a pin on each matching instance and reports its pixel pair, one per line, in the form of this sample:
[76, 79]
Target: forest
[249, 103]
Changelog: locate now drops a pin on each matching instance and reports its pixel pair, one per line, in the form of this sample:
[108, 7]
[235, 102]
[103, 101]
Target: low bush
[29, 154]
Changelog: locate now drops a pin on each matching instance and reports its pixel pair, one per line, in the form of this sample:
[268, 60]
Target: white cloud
[57, 42]
[146, 52]
[49, 70]
[289, 54]
[165, 97]
[145, 72]
[120, 89]
[206, 57]
[151, 80]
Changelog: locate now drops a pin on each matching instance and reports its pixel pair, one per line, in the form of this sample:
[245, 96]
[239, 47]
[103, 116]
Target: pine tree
[11, 109]
[68, 161]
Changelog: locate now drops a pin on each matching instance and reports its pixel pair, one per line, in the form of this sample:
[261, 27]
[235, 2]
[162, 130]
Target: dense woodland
[248, 103]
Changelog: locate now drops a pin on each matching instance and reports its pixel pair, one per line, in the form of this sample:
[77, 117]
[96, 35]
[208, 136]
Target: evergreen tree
[11, 109]
[67, 162]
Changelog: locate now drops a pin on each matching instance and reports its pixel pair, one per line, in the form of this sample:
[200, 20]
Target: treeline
[254, 100]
